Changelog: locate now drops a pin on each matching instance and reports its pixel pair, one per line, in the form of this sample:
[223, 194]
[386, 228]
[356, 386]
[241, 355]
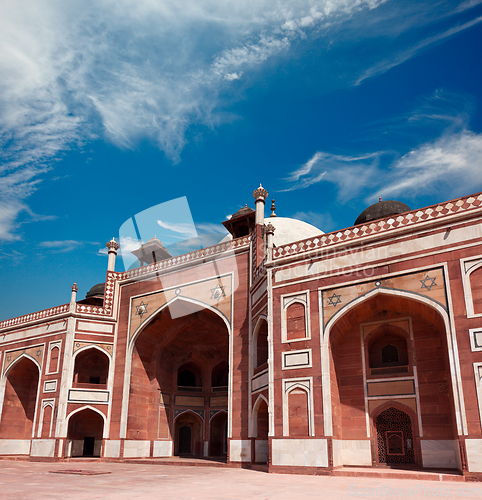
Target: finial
[74, 287]
[379, 198]
[260, 194]
[270, 229]
[273, 208]
[112, 245]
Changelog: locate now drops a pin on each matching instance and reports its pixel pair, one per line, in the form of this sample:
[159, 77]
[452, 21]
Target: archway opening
[261, 347]
[179, 367]
[20, 400]
[91, 369]
[219, 435]
[391, 349]
[394, 437]
[261, 446]
[84, 435]
[188, 435]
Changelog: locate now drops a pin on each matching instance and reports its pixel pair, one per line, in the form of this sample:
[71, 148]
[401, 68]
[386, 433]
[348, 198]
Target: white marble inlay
[86, 396]
[300, 452]
[162, 449]
[240, 450]
[474, 454]
[133, 449]
[50, 386]
[88, 326]
[42, 448]
[112, 448]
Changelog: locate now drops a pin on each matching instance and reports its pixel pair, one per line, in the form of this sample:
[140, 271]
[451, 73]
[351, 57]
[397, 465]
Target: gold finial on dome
[273, 208]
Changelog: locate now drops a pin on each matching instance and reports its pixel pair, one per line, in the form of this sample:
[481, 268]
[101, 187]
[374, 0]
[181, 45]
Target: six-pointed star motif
[334, 300]
[428, 283]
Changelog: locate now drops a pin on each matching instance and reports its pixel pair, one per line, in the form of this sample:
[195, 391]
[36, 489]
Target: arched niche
[260, 347]
[20, 400]
[91, 368]
[85, 433]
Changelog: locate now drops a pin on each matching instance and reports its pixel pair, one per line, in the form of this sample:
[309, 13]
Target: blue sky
[110, 108]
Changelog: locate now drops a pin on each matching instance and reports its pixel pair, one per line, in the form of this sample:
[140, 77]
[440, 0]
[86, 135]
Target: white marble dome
[288, 230]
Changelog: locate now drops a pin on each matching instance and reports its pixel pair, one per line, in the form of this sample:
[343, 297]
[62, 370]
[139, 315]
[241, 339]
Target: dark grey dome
[381, 210]
[96, 291]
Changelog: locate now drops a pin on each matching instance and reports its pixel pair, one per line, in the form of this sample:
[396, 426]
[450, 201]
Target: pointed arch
[179, 298]
[448, 325]
[254, 414]
[86, 407]
[255, 354]
[23, 355]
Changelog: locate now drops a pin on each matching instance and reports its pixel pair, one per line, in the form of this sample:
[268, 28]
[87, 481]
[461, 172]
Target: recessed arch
[23, 355]
[91, 366]
[86, 428]
[187, 411]
[179, 298]
[259, 347]
[417, 304]
[254, 414]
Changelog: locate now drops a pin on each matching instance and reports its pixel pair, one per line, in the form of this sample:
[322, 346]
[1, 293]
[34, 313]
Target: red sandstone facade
[358, 347]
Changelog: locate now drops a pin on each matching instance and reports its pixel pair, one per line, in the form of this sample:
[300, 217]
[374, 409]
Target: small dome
[381, 210]
[96, 291]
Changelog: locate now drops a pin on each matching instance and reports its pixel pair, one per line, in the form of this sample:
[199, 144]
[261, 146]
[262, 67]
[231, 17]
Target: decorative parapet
[381, 226]
[39, 315]
[187, 258]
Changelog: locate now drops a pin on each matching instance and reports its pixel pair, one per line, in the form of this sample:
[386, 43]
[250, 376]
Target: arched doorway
[188, 435]
[219, 435]
[179, 377]
[390, 348]
[394, 435]
[85, 433]
[20, 400]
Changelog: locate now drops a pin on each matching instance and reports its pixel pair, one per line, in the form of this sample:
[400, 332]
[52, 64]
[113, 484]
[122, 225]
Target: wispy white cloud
[448, 164]
[351, 174]
[405, 55]
[130, 70]
[62, 246]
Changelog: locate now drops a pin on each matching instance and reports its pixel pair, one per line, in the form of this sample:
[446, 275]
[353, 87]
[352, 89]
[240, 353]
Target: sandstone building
[281, 345]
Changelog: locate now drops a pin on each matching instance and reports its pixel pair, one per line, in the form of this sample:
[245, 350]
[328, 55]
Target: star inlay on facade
[428, 283]
[334, 300]
[217, 293]
[141, 309]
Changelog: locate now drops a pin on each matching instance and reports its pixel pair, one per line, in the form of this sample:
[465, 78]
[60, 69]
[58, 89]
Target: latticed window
[390, 354]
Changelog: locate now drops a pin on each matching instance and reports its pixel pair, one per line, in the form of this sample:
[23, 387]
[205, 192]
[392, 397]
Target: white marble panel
[352, 452]
[133, 449]
[50, 386]
[32, 332]
[261, 450]
[474, 454]
[240, 450]
[112, 448]
[75, 448]
[89, 396]
[296, 359]
[42, 448]
[14, 446]
[88, 326]
[300, 452]
[259, 381]
[162, 449]
[439, 453]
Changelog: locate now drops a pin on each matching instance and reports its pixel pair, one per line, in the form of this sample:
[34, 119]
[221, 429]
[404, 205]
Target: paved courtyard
[35, 480]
